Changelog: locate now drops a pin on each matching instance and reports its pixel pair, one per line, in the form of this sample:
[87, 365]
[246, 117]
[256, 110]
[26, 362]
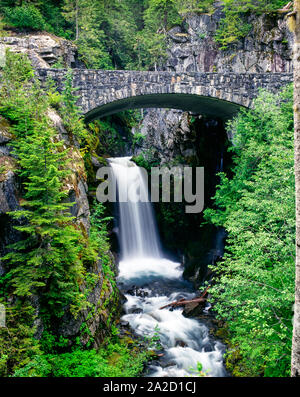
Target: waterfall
[137, 230]
[150, 281]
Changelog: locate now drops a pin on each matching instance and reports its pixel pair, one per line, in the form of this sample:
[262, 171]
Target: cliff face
[43, 50]
[191, 47]
[267, 47]
[8, 191]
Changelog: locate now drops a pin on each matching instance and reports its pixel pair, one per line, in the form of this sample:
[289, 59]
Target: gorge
[83, 282]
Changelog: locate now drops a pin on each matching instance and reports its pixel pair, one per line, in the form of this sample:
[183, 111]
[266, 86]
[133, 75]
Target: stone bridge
[102, 93]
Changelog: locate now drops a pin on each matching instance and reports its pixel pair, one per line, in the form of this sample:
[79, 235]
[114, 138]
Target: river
[150, 280]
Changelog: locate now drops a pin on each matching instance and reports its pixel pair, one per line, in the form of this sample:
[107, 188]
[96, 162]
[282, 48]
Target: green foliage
[109, 34]
[127, 34]
[35, 15]
[49, 342]
[114, 359]
[151, 42]
[153, 341]
[187, 6]
[2, 24]
[17, 346]
[48, 258]
[109, 140]
[86, 16]
[70, 111]
[51, 259]
[233, 26]
[254, 285]
[199, 371]
[25, 16]
[138, 139]
[147, 159]
[117, 357]
[161, 15]
[59, 64]
[100, 242]
[104, 31]
[108, 137]
[17, 71]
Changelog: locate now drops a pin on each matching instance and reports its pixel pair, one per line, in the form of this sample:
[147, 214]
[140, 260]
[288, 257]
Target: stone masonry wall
[100, 87]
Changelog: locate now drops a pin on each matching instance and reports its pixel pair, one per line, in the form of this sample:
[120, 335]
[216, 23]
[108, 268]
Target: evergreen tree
[161, 15]
[70, 111]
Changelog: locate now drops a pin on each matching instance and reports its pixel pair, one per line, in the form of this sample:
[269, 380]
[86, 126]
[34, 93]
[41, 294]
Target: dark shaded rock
[136, 291]
[180, 343]
[193, 309]
[177, 35]
[8, 192]
[135, 310]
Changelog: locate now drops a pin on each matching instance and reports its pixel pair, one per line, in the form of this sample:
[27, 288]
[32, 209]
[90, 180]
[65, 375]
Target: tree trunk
[76, 19]
[295, 364]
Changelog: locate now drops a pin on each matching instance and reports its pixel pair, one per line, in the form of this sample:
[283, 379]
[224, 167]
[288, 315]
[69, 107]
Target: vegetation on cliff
[126, 34]
[48, 269]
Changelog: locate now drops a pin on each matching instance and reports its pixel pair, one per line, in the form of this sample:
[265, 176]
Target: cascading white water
[151, 281]
[137, 232]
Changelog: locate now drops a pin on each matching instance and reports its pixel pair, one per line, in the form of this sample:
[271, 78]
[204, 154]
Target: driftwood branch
[182, 302]
[286, 8]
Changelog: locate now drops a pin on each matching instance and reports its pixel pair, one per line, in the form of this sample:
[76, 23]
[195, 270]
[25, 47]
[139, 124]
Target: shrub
[113, 360]
[254, 290]
[25, 16]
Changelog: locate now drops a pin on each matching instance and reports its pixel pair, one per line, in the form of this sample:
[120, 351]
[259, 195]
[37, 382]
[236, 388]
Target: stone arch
[104, 92]
[188, 102]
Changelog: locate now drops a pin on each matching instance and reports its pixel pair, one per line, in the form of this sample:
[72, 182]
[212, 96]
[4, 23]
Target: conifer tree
[70, 111]
[47, 260]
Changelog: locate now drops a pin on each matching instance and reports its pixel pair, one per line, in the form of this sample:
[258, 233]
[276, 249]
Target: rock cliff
[43, 50]
[266, 48]
[191, 47]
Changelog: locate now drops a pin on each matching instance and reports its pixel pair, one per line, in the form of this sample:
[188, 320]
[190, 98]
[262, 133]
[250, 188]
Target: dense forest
[127, 34]
[55, 258]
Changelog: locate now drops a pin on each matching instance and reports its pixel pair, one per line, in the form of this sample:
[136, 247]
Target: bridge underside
[208, 106]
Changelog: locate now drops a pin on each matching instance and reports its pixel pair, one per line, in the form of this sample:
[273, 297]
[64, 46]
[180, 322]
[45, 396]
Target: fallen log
[182, 302]
[286, 8]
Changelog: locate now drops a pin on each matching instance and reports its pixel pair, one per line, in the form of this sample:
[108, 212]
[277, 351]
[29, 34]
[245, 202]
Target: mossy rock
[5, 134]
[114, 358]
[102, 160]
[128, 340]
[6, 164]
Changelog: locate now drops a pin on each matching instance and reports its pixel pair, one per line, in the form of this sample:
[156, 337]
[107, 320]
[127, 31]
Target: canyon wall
[267, 48]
